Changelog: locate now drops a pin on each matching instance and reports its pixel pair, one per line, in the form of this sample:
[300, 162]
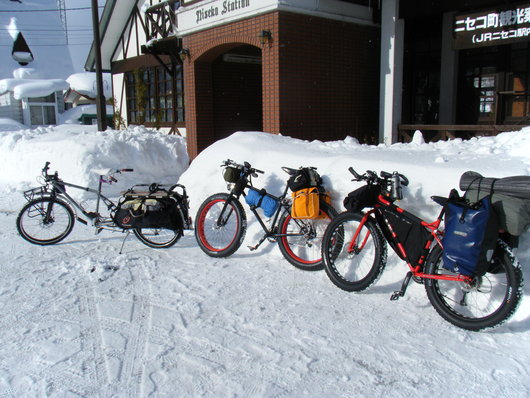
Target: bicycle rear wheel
[220, 225]
[45, 221]
[486, 302]
[354, 254]
[158, 238]
[302, 240]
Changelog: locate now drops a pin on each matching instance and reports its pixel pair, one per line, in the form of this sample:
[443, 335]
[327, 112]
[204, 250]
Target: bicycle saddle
[441, 200]
[101, 172]
[290, 171]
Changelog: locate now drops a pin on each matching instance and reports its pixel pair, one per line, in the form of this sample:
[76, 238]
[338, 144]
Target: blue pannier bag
[260, 198]
[470, 236]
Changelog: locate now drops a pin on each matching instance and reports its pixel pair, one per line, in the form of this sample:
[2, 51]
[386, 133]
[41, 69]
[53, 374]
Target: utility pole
[100, 97]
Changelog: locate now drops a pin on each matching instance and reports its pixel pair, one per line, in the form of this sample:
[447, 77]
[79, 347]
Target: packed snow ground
[81, 320]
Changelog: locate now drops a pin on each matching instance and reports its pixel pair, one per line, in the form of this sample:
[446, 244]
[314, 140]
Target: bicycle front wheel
[220, 225]
[486, 302]
[354, 253]
[45, 221]
[300, 241]
[158, 238]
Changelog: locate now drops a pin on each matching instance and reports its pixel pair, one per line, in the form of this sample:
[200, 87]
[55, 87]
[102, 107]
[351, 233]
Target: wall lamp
[184, 53]
[265, 36]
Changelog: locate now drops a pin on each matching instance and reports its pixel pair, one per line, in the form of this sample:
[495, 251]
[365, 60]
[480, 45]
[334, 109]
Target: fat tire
[206, 228]
[508, 297]
[338, 262]
[287, 248]
[33, 211]
[143, 235]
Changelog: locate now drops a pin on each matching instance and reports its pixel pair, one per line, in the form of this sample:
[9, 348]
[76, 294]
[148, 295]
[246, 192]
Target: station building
[376, 70]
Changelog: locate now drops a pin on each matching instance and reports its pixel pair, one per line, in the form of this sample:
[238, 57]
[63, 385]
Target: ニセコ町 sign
[505, 25]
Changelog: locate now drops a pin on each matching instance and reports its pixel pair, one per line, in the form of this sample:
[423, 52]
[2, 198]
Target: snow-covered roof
[32, 88]
[85, 84]
[51, 55]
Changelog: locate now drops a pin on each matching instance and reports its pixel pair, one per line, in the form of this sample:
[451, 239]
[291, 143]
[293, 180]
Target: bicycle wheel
[301, 243]
[45, 221]
[354, 255]
[157, 238]
[486, 302]
[220, 225]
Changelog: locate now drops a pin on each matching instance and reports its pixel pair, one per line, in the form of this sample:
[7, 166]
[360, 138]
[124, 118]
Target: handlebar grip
[259, 171]
[127, 170]
[357, 176]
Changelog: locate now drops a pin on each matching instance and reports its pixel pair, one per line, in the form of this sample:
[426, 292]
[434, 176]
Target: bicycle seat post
[100, 183]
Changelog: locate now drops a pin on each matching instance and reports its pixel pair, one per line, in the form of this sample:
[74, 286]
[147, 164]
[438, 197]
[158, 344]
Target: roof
[113, 21]
[51, 56]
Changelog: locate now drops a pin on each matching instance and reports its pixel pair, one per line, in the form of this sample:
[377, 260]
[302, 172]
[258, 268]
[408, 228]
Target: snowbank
[82, 319]
[75, 150]
[433, 169]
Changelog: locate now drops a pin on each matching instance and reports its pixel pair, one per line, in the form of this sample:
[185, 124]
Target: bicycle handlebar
[246, 168]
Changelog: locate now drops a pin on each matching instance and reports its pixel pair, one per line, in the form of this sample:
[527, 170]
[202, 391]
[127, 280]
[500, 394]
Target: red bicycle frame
[432, 227]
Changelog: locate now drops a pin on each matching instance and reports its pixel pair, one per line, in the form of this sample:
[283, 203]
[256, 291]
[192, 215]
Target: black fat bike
[221, 221]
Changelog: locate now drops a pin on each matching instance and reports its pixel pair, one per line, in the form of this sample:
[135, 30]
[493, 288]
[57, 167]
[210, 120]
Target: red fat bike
[354, 252]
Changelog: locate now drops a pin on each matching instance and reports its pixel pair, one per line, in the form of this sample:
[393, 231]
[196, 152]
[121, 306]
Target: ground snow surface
[81, 320]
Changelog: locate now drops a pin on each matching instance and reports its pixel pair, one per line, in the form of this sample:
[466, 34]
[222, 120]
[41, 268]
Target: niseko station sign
[504, 25]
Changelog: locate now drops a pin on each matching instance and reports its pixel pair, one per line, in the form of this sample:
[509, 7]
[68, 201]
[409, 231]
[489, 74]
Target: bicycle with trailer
[221, 221]
[354, 252]
[157, 214]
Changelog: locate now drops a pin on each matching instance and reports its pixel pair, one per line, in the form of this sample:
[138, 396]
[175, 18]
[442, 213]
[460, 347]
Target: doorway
[237, 91]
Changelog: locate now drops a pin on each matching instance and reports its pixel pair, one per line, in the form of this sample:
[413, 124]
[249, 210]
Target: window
[42, 110]
[154, 96]
[485, 85]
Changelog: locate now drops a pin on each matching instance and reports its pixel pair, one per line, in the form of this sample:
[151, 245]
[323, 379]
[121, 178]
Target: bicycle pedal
[397, 295]
[98, 230]
[252, 248]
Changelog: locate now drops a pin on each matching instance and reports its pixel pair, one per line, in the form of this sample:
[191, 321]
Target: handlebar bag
[365, 196]
[471, 231]
[306, 203]
[231, 174]
[255, 199]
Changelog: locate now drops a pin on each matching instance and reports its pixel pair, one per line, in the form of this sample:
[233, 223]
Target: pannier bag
[471, 231]
[365, 196]
[145, 212]
[231, 174]
[255, 199]
[409, 231]
[306, 177]
[306, 203]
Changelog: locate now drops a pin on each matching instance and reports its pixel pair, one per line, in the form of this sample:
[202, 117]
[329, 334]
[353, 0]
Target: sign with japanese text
[492, 27]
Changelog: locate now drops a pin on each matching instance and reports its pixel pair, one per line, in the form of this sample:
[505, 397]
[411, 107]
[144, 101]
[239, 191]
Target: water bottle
[396, 186]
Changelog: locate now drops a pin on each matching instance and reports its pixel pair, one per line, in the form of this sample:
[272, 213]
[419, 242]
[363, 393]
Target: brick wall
[329, 82]
[320, 78]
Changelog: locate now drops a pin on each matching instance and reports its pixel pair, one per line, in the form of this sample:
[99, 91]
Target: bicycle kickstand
[252, 248]
[123, 243]
[400, 293]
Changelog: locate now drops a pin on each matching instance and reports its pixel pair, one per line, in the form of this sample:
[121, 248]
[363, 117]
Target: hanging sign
[492, 27]
[205, 14]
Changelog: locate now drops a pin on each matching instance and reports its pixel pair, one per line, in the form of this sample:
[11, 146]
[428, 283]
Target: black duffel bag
[150, 211]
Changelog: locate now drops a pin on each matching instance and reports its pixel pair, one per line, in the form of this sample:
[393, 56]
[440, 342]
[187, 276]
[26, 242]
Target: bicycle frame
[416, 270]
[271, 232]
[59, 190]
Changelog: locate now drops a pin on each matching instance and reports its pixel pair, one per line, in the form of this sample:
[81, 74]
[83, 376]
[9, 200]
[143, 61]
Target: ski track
[175, 323]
